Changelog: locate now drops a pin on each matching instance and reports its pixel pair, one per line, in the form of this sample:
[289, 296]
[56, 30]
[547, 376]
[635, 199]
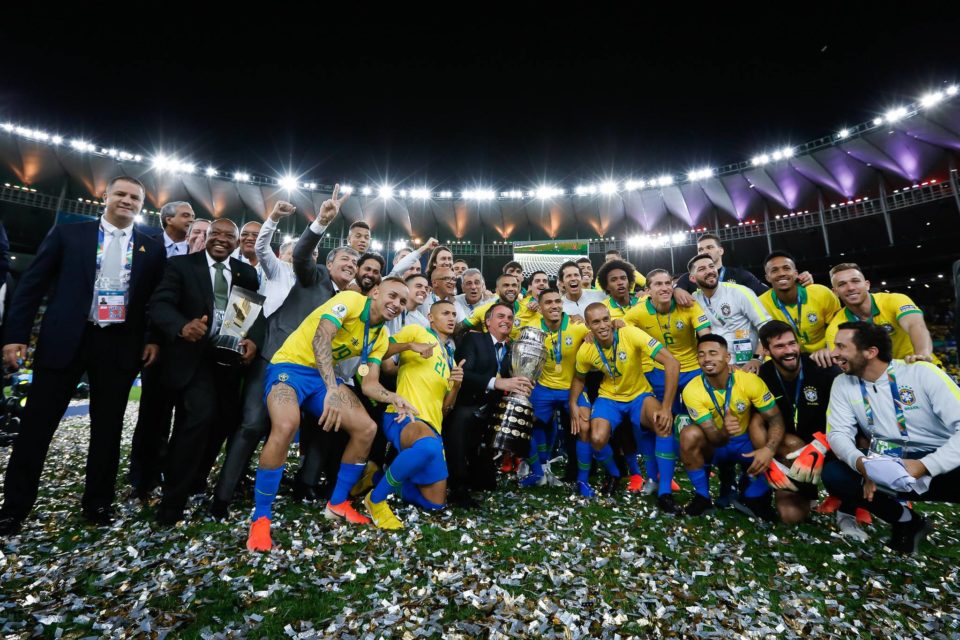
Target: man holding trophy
[194, 308]
[910, 413]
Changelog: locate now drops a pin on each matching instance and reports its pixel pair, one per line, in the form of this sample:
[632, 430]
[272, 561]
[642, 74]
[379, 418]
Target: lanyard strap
[783, 309]
[445, 348]
[796, 392]
[558, 343]
[721, 273]
[100, 243]
[709, 309]
[501, 353]
[614, 373]
[365, 352]
[897, 405]
[726, 400]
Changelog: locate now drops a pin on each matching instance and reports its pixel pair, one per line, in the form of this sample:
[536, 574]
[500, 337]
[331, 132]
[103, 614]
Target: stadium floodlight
[376, 245]
[403, 193]
[700, 174]
[877, 122]
[287, 182]
[931, 99]
[399, 244]
[385, 191]
[951, 90]
[346, 189]
[468, 195]
[485, 194]
[844, 133]
[55, 139]
[664, 181]
[545, 192]
[240, 176]
[896, 114]
[160, 162]
[8, 126]
[787, 152]
[81, 145]
[633, 241]
[210, 172]
[310, 185]
[186, 167]
[420, 193]
[138, 218]
[586, 190]
[366, 191]
[608, 187]
[678, 238]
[446, 194]
[777, 155]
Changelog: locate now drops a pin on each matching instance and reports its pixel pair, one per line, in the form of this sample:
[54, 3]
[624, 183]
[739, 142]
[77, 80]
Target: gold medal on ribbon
[557, 367]
[363, 370]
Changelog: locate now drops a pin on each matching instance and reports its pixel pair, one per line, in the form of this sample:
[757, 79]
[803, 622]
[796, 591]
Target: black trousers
[50, 393]
[152, 432]
[469, 462]
[254, 427]
[207, 412]
[846, 484]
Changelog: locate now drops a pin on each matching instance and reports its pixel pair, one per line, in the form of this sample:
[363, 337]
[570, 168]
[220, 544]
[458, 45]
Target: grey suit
[312, 289]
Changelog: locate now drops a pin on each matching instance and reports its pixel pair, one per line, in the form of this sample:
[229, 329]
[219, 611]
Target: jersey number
[667, 338]
[341, 352]
[440, 368]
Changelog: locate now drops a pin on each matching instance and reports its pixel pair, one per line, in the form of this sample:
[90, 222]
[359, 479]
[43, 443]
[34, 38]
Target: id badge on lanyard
[111, 301]
[742, 346]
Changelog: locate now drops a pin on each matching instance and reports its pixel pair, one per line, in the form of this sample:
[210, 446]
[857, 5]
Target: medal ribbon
[897, 405]
[796, 393]
[558, 337]
[783, 309]
[365, 351]
[445, 348]
[614, 373]
[726, 400]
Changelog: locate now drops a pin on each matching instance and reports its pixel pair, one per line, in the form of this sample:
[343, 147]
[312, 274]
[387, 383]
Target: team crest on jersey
[680, 325]
[812, 318]
[725, 309]
[283, 377]
[810, 393]
[516, 322]
[340, 310]
[622, 356]
[907, 396]
[741, 406]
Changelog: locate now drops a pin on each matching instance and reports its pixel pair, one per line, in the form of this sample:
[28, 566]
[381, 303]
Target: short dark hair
[867, 335]
[461, 260]
[844, 266]
[612, 252]
[657, 271]
[371, 255]
[126, 179]
[696, 258]
[513, 264]
[709, 236]
[537, 272]
[506, 275]
[774, 329]
[778, 254]
[548, 290]
[396, 279]
[432, 260]
[489, 311]
[603, 275]
[584, 259]
[566, 265]
[359, 224]
[407, 280]
[593, 306]
[712, 337]
[440, 302]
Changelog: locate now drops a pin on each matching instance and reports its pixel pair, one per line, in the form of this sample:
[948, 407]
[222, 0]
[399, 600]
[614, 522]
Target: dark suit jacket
[312, 289]
[481, 364]
[185, 294]
[67, 261]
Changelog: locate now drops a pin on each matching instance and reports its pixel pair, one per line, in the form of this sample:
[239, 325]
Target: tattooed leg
[284, 410]
[355, 421]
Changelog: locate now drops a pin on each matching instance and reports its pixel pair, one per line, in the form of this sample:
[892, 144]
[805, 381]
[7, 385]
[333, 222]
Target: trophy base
[227, 350]
[511, 426]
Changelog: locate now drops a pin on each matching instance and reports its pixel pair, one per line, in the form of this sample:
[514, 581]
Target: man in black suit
[187, 308]
[486, 376]
[112, 260]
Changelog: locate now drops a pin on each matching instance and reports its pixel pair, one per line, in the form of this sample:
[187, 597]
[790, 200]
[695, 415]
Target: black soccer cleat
[907, 536]
[757, 508]
[699, 506]
[668, 504]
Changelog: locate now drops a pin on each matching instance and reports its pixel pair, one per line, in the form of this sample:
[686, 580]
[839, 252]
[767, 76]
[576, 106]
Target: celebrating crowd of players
[387, 375]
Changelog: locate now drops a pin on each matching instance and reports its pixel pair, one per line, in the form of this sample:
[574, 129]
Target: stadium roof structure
[911, 145]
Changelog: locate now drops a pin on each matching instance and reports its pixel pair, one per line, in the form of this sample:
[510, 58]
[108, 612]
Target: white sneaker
[523, 469]
[650, 487]
[849, 527]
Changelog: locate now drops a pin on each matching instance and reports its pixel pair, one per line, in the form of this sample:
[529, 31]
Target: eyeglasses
[444, 279]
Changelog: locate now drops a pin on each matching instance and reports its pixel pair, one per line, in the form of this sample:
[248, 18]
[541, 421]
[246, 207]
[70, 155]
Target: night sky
[503, 100]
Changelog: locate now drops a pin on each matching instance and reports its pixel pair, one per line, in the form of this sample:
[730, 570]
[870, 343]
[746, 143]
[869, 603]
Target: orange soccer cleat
[829, 505]
[635, 484]
[259, 538]
[345, 511]
[863, 516]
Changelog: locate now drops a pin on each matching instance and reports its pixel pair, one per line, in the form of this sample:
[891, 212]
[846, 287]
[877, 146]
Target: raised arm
[304, 264]
[271, 263]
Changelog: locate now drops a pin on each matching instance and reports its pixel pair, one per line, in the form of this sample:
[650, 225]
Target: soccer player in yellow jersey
[808, 309]
[529, 308]
[431, 382]
[677, 329]
[638, 281]
[625, 393]
[721, 402]
[508, 290]
[895, 312]
[614, 277]
[301, 375]
[553, 388]
[586, 274]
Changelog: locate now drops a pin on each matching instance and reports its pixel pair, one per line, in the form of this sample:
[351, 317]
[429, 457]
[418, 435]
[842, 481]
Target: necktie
[500, 348]
[112, 263]
[219, 288]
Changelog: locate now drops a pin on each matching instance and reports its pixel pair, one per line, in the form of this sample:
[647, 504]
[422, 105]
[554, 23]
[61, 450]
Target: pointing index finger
[336, 191]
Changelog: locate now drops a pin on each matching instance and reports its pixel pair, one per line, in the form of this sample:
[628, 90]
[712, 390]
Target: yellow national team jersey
[570, 337]
[349, 311]
[634, 346]
[886, 309]
[677, 330]
[616, 311]
[475, 321]
[816, 306]
[526, 316]
[748, 391]
[423, 381]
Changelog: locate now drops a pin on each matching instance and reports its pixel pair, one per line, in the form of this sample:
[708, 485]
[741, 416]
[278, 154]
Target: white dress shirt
[490, 385]
[175, 248]
[278, 277]
[108, 239]
[579, 307]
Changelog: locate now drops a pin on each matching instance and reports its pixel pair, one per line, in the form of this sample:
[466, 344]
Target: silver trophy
[242, 310]
[512, 420]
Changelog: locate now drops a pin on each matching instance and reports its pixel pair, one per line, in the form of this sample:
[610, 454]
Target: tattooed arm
[375, 391]
[775, 432]
[338, 398]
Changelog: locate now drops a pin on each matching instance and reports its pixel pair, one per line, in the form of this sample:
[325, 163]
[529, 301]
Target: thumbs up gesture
[731, 423]
[194, 330]
[456, 374]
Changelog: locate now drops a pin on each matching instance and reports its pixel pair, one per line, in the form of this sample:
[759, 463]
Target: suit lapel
[89, 241]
